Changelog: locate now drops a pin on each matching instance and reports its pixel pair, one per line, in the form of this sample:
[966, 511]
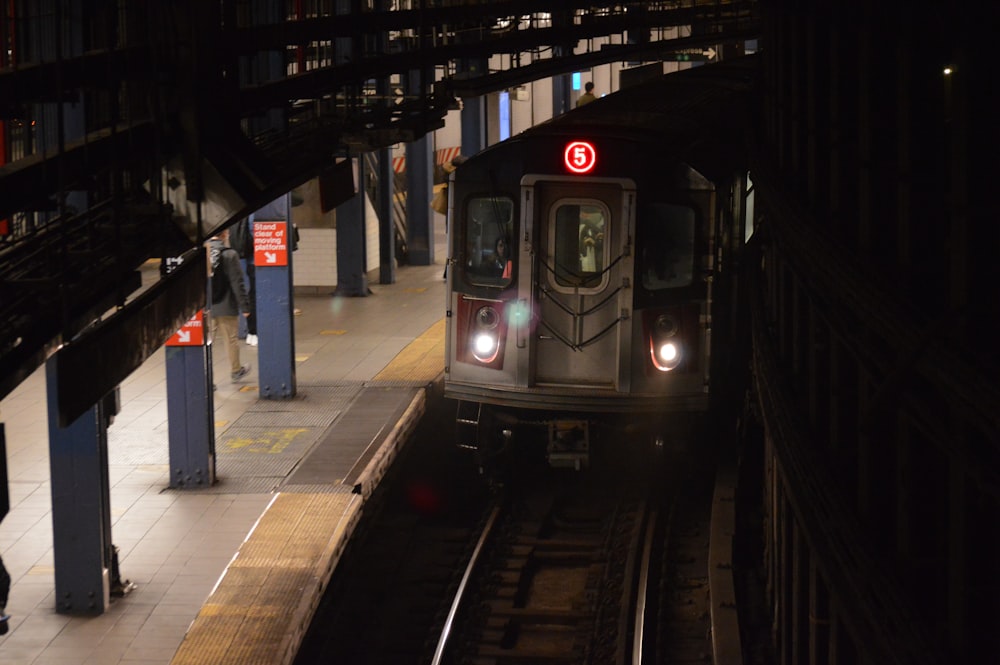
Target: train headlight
[669, 352]
[484, 347]
[485, 341]
[664, 346]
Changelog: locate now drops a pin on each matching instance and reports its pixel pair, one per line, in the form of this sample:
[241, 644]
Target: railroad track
[582, 568]
[606, 565]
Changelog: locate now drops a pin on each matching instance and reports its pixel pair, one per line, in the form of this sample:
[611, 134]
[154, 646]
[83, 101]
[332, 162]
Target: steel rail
[460, 593]
[643, 583]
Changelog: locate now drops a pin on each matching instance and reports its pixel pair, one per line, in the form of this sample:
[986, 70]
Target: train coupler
[569, 444]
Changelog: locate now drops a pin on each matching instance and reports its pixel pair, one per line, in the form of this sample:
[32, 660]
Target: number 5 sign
[580, 157]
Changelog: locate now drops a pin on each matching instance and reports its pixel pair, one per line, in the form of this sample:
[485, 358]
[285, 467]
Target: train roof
[699, 115]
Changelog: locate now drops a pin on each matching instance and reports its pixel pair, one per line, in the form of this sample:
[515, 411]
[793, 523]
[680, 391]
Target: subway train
[592, 267]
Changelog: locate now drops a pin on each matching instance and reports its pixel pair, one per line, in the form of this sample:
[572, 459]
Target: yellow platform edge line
[264, 602]
[422, 360]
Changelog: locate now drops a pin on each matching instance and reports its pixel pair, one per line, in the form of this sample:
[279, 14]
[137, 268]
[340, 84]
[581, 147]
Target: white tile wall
[315, 262]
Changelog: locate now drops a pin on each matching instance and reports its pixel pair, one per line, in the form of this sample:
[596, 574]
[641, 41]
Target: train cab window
[578, 246]
[489, 236]
[667, 256]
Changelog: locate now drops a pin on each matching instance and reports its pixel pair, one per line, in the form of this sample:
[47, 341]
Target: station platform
[228, 573]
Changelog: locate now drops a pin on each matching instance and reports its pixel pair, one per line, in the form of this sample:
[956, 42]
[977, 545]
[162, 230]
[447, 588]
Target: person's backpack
[220, 281]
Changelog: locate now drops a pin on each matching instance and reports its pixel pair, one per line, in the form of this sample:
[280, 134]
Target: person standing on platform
[241, 239]
[587, 96]
[229, 299]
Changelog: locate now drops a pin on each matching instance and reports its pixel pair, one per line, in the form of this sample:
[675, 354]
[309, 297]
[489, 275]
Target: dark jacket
[241, 240]
[236, 299]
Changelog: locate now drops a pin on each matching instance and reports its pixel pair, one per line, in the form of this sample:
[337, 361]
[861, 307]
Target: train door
[582, 230]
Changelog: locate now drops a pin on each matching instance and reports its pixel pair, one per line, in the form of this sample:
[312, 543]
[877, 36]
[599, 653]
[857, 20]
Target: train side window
[667, 257]
[579, 250]
[489, 234]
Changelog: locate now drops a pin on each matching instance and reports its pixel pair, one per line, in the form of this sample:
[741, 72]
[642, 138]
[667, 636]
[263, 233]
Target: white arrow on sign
[184, 336]
[270, 257]
[709, 53]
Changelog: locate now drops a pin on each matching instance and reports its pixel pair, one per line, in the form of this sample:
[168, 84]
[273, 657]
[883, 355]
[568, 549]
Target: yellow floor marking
[248, 389]
[221, 423]
[332, 332]
[271, 442]
[302, 357]
[415, 289]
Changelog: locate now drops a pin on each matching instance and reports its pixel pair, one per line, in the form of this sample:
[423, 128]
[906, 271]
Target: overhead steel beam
[26, 184]
[451, 19]
[100, 358]
[540, 69]
[327, 81]
[62, 80]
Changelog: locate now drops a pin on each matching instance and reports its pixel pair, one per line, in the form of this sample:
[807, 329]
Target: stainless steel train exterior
[590, 261]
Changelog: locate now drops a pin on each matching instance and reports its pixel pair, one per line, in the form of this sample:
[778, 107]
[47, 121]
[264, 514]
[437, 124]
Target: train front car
[584, 254]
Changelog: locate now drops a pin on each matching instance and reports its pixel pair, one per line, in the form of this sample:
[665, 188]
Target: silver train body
[590, 257]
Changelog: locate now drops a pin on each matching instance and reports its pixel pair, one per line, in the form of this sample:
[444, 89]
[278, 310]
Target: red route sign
[191, 333]
[270, 244]
[580, 157]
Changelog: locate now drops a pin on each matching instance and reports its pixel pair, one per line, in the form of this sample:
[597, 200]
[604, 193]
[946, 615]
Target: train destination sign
[270, 244]
[580, 157]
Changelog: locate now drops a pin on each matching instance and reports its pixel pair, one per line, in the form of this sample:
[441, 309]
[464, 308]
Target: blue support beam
[276, 333]
[81, 511]
[273, 249]
[419, 216]
[386, 218]
[473, 110]
[190, 408]
[473, 125]
[562, 93]
[352, 276]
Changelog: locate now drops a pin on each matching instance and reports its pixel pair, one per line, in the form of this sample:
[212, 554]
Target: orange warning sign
[270, 244]
[191, 333]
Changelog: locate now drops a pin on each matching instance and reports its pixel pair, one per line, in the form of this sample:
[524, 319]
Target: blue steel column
[473, 125]
[352, 278]
[562, 86]
[81, 516]
[420, 182]
[78, 454]
[419, 218]
[386, 218]
[275, 311]
[385, 176]
[473, 110]
[190, 414]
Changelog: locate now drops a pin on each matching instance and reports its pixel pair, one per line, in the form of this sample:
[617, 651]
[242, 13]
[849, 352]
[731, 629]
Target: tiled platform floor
[174, 544]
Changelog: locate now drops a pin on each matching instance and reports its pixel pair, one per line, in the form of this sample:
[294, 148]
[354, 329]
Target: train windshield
[667, 256]
[489, 252]
[580, 252]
